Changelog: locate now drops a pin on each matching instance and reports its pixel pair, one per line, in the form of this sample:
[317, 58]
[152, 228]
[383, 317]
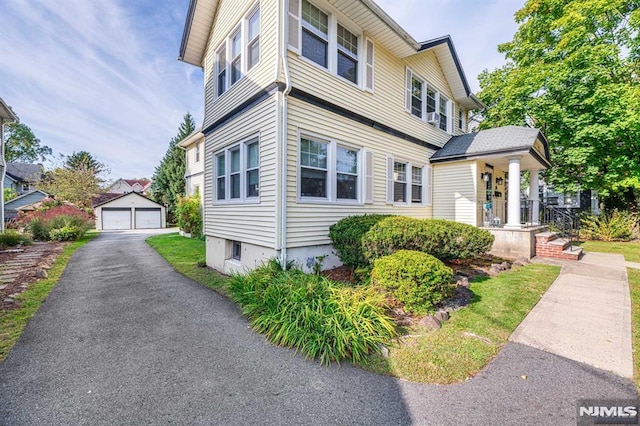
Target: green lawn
[631, 252]
[459, 350]
[13, 322]
[473, 335]
[184, 254]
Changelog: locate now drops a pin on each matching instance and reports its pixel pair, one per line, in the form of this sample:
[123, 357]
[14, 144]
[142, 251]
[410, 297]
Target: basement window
[236, 250]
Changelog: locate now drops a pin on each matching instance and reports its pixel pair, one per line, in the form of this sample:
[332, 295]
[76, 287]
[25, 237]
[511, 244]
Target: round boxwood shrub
[346, 236]
[416, 279]
[443, 239]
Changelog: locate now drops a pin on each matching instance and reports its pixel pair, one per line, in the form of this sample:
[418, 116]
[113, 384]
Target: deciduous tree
[22, 145]
[573, 70]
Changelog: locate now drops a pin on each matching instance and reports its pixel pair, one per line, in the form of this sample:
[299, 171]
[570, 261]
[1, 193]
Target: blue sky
[102, 75]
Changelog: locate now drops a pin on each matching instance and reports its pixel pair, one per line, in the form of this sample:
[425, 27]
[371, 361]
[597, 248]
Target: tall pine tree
[168, 179]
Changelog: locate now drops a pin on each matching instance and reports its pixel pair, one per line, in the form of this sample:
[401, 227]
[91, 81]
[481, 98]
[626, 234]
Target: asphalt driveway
[123, 339]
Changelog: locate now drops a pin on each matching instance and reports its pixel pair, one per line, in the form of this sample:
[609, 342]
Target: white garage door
[113, 218]
[148, 218]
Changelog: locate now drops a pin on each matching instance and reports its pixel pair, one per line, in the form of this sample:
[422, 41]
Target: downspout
[4, 171]
[284, 65]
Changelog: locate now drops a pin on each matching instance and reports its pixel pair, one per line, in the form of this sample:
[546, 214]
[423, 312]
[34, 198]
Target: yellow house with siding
[320, 109]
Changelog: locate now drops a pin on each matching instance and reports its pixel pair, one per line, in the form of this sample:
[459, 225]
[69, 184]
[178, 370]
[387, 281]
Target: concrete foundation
[514, 243]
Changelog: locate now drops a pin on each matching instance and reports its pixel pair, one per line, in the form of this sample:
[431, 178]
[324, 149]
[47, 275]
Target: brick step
[560, 242]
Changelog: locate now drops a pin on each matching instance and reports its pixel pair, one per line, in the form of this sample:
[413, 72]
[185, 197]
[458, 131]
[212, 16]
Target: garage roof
[102, 203]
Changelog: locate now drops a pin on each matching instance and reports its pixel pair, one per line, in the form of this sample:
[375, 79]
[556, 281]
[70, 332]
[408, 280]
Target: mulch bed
[45, 254]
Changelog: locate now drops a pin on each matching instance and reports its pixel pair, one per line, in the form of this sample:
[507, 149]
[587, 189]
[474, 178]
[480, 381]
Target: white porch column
[513, 200]
[534, 196]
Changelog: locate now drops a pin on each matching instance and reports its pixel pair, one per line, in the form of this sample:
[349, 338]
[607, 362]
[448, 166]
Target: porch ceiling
[496, 146]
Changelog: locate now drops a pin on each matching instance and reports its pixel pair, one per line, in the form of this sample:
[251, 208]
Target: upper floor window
[461, 120]
[197, 152]
[237, 171]
[329, 170]
[427, 103]
[319, 37]
[239, 52]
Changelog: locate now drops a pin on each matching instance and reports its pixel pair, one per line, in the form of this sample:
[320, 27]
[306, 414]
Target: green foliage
[77, 186]
[83, 160]
[22, 145]
[57, 222]
[66, 233]
[417, 280]
[573, 71]
[443, 239]
[313, 315]
[9, 194]
[189, 215]
[38, 229]
[11, 238]
[168, 179]
[612, 226]
[346, 236]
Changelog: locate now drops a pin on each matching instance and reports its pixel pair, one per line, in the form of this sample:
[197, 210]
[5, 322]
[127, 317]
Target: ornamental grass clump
[417, 280]
[312, 314]
[611, 226]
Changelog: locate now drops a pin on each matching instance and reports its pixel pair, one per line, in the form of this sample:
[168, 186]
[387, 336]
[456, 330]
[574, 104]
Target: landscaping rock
[384, 351]
[430, 322]
[40, 273]
[521, 261]
[506, 265]
[463, 282]
[3, 286]
[8, 300]
[442, 316]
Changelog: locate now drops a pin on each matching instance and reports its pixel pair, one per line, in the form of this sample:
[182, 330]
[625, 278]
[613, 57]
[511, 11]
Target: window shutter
[407, 103]
[428, 185]
[368, 81]
[368, 177]
[294, 25]
[389, 179]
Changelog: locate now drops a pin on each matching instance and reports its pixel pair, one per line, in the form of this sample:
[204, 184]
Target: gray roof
[25, 172]
[491, 141]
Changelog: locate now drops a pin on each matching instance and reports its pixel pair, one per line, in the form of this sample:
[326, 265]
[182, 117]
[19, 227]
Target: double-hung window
[237, 171]
[427, 103]
[197, 152]
[319, 37]
[239, 52]
[329, 171]
[408, 183]
[315, 34]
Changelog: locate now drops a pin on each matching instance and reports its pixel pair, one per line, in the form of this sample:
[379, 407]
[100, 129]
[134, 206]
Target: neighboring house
[6, 116]
[124, 186]
[14, 206]
[128, 211]
[194, 161]
[317, 110]
[23, 177]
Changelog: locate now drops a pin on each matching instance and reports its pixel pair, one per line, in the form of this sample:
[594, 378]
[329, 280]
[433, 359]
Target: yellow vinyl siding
[247, 222]
[229, 15]
[387, 103]
[455, 192]
[308, 223]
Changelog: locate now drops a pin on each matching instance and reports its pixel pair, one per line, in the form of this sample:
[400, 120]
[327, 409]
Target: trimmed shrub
[443, 239]
[346, 236]
[12, 238]
[189, 214]
[415, 279]
[613, 226]
[313, 315]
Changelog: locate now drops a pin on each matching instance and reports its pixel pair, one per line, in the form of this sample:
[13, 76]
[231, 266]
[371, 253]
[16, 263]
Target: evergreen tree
[168, 179]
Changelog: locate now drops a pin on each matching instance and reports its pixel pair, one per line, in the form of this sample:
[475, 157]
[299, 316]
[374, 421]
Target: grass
[473, 335]
[13, 322]
[630, 250]
[184, 254]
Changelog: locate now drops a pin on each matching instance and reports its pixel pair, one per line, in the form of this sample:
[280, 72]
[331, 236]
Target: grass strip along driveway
[631, 252]
[458, 350]
[13, 322]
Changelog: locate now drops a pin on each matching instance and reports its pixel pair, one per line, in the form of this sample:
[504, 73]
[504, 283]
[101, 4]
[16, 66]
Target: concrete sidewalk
[585, 315]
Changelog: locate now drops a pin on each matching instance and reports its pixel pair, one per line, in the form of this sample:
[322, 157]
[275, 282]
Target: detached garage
[129, 211]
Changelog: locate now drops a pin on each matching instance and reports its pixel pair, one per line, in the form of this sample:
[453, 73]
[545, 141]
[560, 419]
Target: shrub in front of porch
[417, 280]
[444, 239]
[346, 236]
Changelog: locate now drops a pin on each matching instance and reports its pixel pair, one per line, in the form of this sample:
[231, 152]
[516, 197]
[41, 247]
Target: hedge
[346, 236]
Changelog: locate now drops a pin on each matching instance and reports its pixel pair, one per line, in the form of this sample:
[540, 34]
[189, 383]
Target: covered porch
[479, 179]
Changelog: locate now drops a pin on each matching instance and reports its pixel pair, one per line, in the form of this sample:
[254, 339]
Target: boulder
[442, 316]
[430, 322]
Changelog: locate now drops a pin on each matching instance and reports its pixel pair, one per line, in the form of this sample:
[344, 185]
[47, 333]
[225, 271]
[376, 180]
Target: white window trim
[409, 75]
[427, 185]
[243, 28]
[332, 173]
[332, 48]
[242, 145]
